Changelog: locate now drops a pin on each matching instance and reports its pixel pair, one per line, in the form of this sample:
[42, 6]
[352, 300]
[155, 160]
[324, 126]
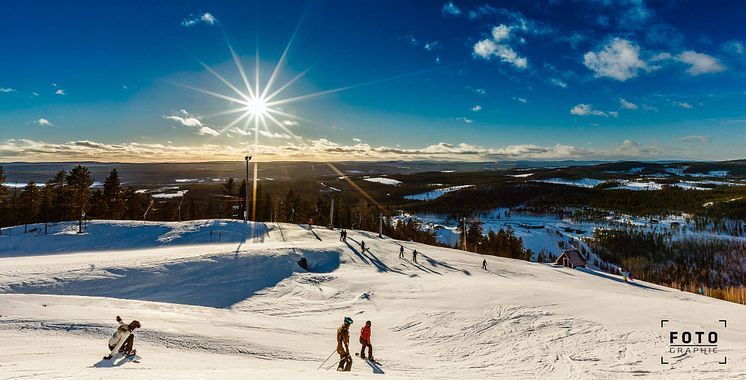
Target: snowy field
[543, 232]
[430, 195]
[238, 310]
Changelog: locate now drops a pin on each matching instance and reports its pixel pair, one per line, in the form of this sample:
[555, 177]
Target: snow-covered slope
[247, 310]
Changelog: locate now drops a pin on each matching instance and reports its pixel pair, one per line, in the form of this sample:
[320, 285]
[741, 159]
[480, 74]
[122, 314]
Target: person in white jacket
[123, 339]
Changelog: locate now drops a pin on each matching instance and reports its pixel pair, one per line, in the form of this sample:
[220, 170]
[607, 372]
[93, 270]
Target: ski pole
[327, 359]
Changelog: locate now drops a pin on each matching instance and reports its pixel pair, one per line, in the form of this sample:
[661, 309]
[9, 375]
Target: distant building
[571, 258]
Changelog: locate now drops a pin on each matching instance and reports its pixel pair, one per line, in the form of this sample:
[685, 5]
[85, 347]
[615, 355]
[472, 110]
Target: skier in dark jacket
[484, 264]
[343, 345]
[365, 341]
[362, 245]
[401, 251]
[123, 339]
[414, 255]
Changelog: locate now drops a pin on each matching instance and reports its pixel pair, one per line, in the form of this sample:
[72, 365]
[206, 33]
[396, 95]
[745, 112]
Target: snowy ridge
[238, 309]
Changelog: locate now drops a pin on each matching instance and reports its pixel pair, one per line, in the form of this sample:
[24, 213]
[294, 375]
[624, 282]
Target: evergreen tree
[3, 190]
[79, 182]
[229, 186]
[112, 196]
[29, 203]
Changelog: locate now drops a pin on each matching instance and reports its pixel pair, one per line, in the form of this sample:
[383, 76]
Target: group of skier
[343, 235]
[343, 344]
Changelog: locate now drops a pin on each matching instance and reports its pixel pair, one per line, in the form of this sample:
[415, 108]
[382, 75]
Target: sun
[257, 107]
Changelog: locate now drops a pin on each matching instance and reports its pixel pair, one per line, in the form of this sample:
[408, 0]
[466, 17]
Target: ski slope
[237, 310]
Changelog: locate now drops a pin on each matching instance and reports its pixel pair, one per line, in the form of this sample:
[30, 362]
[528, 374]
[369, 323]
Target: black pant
[127, 346]
[362, 350]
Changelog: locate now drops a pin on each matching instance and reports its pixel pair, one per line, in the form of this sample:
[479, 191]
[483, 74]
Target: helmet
[348, 320]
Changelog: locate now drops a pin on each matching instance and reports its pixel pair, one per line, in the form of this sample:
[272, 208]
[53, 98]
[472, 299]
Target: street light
[246, 192]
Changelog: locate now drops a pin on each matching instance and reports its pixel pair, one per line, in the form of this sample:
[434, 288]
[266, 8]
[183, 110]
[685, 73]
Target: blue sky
[460, 80]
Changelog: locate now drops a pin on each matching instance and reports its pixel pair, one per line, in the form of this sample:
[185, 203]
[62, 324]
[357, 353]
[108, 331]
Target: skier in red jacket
[365, 341]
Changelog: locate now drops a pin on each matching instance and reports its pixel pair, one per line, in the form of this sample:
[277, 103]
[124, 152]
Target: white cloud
[290, 123]
[520, 100]
[205, 18]
[44, 122]
[184, 118]
[430, 46]
[60, 92]
[619, 59]
[558, 82]
[7, 89]
[478, 91]
[465, 120]
[207, 131]
[501, 32]
[357, 140]
[588, 110]
[487, 49]
[626, 104]
[695, 139]
[682, 104]
[451, 9]
[321, 149]
[700, 63]
[734, 47]
[188, 121]
[275, 135]
[476, 108]
[240, 132]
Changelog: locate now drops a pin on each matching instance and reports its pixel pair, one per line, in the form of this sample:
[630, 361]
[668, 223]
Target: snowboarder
[123, 339]
[414, 255]
[365, 341]
[362, 245]
[401, 251]
[484, 264]
[343, 345]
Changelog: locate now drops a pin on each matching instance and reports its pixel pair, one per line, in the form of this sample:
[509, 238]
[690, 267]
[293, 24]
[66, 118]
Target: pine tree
[79, 181]
[112, 196]
[29, 200]
[3, 190]
[229, 186]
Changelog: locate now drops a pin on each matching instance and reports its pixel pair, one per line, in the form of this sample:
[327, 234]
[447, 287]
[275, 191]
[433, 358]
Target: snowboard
[374, 361]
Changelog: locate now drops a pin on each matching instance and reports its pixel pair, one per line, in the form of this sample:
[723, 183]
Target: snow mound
[103, 235]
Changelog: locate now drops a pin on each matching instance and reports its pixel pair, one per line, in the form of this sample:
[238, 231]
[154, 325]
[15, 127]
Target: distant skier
[414, 255]
[362, 245]
[365, 341]
[123, 339]
[343, 345]
[401, 251]
[631, 277]
[625, 274]
[484, 264]
[342, 235]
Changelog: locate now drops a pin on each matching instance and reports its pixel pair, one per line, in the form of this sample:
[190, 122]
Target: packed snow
[246, 309]
[384, 180]
[583, 182]
[430, 195]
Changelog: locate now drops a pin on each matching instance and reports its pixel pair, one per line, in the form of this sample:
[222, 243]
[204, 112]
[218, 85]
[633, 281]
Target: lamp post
[246, 192]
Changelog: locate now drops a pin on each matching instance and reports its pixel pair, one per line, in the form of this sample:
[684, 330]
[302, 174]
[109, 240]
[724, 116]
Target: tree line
[712, 266]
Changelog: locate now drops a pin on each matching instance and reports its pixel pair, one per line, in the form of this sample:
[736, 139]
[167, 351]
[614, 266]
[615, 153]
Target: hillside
[231, 309]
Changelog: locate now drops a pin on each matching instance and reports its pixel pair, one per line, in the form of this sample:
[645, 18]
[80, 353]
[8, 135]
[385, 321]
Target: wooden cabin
[571, 259]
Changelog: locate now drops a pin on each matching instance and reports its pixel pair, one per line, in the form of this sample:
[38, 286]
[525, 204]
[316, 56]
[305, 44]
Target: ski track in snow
[247, 310]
